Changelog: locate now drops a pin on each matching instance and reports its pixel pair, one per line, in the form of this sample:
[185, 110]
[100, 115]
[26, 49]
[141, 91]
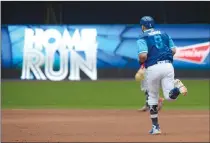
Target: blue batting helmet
[147, 21]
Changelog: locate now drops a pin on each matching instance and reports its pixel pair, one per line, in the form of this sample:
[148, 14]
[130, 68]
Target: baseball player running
[155, 52]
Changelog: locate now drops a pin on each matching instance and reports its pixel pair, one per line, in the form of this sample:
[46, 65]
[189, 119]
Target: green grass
[94, 95]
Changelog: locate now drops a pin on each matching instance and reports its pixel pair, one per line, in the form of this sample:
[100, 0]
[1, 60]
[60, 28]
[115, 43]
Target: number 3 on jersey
[158, 41]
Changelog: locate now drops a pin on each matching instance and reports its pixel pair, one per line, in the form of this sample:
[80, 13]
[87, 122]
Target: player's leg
[160, 103]
[153, 80]
[172, 88]
[143, 87]
[146, 106]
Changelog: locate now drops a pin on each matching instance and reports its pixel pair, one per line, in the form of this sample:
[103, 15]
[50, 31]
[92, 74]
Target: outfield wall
[75, 52]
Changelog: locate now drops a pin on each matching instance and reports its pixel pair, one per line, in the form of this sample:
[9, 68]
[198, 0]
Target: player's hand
[140, 74]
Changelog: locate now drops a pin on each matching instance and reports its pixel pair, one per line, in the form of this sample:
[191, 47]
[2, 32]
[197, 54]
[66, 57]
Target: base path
[102, 126]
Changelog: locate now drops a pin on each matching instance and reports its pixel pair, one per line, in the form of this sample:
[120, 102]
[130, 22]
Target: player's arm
[172, 45]
[142, 51]
[142, 56]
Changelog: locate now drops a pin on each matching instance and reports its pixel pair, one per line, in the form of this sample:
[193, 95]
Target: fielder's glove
[140, 74]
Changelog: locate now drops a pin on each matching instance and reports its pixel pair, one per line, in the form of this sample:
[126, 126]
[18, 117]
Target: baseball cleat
[180, 86]
[155, 130]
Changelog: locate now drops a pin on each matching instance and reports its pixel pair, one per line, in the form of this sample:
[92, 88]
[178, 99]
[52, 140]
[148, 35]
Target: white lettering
[40, 48]
[154, 33]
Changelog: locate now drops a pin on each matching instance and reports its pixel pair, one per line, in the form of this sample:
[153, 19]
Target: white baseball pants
[159, 75]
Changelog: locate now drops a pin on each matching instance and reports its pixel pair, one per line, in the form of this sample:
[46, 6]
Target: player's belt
[162, 62]
[158, 62]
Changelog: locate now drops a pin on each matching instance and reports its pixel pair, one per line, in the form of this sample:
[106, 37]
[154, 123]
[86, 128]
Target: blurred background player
[155, 51]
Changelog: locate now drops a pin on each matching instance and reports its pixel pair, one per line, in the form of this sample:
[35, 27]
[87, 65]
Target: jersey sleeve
[171, 43]
[142, 46]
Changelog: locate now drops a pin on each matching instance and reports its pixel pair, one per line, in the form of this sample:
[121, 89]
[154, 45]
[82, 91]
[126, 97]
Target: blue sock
[174, 93]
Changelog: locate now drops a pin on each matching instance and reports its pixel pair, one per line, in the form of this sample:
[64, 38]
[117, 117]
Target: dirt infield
[102, 126]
